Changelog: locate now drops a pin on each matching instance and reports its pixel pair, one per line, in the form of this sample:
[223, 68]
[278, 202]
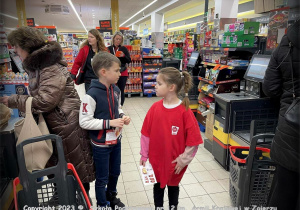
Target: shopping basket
[63, 188]
[251, 173]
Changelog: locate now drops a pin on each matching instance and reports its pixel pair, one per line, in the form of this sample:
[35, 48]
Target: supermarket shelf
[200, 102]
[218, 82]
[222, 66]
[5, 60]
[154, 56]
[151, 71]
[250, 49]
[206, 93]
[135, 71]
[153, 64]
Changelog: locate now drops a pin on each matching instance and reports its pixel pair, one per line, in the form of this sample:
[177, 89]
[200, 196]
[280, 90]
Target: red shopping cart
[63, 188]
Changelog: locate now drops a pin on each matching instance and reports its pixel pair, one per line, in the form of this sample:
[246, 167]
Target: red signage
[30, 22]
[105, 25]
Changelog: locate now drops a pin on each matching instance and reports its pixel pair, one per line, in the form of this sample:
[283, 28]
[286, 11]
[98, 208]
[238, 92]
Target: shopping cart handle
[231, 148]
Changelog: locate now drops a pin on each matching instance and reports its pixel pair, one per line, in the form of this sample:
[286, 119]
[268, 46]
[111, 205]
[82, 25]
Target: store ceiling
[85, 8]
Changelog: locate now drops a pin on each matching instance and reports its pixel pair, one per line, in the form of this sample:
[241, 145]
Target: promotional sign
[278, 20]
[105, 26]
[30, 22]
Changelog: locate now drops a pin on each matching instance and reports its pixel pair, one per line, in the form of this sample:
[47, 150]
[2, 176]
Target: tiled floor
[205, 183]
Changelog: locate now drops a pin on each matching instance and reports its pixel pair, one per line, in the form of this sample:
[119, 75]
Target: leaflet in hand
[148, 174]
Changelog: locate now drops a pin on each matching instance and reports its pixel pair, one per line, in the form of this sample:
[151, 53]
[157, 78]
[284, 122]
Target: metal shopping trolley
[251, 173]
[63, 188]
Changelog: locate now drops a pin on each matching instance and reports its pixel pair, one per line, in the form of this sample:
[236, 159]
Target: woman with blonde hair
[83, 62]
[122, 53]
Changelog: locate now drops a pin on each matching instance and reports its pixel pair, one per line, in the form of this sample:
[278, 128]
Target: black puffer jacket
[278, 83]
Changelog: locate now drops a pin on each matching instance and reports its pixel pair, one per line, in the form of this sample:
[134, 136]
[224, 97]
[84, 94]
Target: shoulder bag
[36, 154]
[292, 114]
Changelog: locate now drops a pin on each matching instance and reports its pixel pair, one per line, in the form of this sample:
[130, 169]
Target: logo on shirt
[175, 130]
[84, 110]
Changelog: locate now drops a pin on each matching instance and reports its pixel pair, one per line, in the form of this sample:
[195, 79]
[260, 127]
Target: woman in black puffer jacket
[285, 150]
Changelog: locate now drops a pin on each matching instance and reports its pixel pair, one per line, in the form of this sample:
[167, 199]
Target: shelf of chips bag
[218, 82]
[149, 77]
[206, 93]
[202, 103]
[134, 81]
[153, 65]
[134, 69]
[152, 56]
[152, 70]
[220, 66]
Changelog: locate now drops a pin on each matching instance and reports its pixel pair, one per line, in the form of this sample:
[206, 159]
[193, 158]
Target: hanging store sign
[30, 22]
[105, 26]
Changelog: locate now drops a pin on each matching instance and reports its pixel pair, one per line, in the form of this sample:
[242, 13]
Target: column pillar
[21, 13]
[115, 15]
[227, 11]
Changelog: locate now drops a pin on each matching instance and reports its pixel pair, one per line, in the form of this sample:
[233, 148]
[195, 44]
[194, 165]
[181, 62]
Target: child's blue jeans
[107, 161]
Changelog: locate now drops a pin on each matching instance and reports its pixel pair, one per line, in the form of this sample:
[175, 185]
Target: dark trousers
[121, 84]
[107, 162]
[158, 195]
[285, 193]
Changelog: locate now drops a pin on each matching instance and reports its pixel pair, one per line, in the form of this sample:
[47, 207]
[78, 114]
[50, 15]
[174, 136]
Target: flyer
[148, 175]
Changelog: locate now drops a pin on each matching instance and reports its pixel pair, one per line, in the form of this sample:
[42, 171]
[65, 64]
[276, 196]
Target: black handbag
[292, 114]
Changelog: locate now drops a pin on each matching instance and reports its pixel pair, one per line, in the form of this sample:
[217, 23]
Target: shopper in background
[122, 53]
[170, 134]
[83, 61]
[285, 150]
[101, 114]
[54, 96]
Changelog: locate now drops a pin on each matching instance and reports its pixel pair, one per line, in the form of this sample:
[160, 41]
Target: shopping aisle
[205, 183]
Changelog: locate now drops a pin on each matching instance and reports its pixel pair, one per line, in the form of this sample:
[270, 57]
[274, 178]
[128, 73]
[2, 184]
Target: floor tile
[131, 176]
[194, 189]
[221, 199]
[137, 199]
[134, 186]
[212, 187]
[224, 183]
[121, 188]
[204, 157]
[185, 203]
[188, 179]
[203, 176]
[211, 165]
[128, 167]
[123, 199]
[126, 152]
[133, 134]
[195, 167]
[203, 201]
[182, 193]
[219, 173]
[127, 159]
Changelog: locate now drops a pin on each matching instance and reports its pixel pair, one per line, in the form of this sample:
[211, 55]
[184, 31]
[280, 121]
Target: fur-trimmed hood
[48, 55]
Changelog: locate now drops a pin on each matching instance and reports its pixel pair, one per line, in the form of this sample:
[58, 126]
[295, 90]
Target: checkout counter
[234, 112]
[8, 163]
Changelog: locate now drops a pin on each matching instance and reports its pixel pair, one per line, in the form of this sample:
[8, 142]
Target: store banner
[278, 21]
[105, 26]
[30, 22]
[145, 31]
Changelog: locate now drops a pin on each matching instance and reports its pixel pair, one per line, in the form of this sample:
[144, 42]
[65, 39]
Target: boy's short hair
[103, 60]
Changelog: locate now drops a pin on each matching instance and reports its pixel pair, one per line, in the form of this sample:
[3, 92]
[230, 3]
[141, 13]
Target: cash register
[235, 111]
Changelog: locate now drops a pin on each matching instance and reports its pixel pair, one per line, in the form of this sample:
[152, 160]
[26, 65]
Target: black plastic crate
[251, 175]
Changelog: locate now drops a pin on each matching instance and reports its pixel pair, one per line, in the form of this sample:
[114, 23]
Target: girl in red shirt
[170, 134]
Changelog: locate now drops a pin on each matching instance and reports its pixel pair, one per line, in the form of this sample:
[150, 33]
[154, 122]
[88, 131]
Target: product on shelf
[151, 67]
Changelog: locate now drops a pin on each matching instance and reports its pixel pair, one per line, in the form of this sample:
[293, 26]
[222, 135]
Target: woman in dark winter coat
[122, 53]
[54, 96]
[285, 150]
